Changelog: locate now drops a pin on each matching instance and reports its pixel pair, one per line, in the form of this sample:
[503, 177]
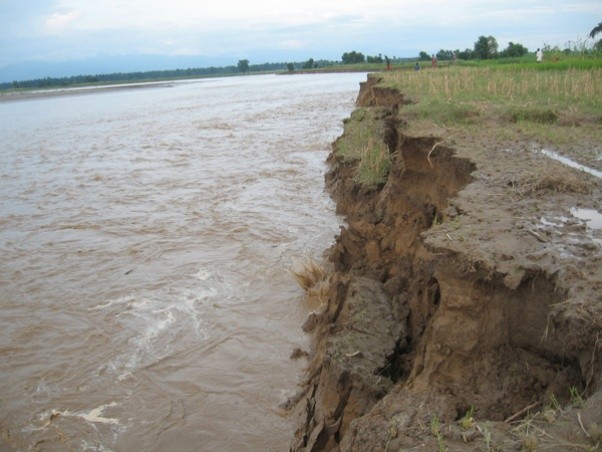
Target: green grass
[358, 67]
[362, 142]
[555, 104]
[556, 107]
[576, 397]
[467, 420]
[554, 62]
[436, 431]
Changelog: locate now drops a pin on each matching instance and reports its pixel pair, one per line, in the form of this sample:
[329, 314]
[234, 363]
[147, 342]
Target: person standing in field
[433, 61]
[539, 55]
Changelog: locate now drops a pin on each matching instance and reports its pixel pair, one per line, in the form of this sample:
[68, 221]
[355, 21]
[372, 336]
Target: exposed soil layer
[453, 290]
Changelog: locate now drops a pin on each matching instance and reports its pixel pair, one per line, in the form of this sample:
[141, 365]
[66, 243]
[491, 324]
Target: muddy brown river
[146, 237]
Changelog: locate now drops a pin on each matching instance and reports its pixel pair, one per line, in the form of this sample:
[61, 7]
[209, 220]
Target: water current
[146, 237]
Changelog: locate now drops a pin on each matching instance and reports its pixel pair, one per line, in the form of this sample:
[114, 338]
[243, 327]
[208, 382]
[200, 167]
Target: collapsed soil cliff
[448, 296]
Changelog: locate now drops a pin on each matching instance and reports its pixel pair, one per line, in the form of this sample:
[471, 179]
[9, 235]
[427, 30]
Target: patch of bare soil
[464, 306]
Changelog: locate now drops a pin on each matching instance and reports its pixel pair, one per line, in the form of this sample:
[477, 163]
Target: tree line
[118, 77]
[485, 48]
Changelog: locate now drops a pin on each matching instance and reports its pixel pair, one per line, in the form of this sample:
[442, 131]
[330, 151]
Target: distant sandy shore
[70, 91]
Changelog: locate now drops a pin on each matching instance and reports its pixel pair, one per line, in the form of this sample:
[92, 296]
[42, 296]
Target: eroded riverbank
[462, 308]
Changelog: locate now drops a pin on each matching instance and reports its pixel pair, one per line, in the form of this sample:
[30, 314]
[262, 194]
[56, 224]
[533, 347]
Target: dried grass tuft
[310, 275]
[553, 178]
[559, 183]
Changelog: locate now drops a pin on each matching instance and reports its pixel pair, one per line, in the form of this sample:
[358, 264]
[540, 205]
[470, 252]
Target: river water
[146, 238]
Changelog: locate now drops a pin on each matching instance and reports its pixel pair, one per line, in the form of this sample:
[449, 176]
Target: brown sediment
[448, 292]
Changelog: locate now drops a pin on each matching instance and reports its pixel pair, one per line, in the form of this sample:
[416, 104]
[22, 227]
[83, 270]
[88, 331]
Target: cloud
[212, 14]
[291, 44]
[272, 29]
[60, 21]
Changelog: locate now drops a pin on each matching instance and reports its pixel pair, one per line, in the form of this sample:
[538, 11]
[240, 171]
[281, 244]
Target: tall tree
[444, 54]
[243, 66]
[592, 34]
[424, 56]
[597, 29]
[466, 54]
[353, 57]
[375, 59]
[514, 50]
[485, 48]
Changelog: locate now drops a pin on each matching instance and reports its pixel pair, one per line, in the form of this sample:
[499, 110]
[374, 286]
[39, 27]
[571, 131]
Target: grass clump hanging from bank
[363, 143]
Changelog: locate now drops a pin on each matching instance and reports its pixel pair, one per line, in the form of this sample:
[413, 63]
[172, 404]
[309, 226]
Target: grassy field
[552, 107]
[556, 61]
[556, 105]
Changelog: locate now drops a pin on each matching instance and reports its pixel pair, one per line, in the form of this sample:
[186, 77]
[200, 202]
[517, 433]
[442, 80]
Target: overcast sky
[224, 31]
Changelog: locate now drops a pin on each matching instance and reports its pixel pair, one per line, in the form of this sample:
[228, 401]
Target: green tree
[309, 64]
[444, 54]
[486, 48]
[514, 50]
[353, 57]
[424, 56]
[243, 66]
[290, 67]
[592, 34]
[375, 59]
[466, 54]
[597, 29]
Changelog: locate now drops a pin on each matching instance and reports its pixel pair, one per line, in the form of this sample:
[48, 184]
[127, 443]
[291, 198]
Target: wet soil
[462, 285]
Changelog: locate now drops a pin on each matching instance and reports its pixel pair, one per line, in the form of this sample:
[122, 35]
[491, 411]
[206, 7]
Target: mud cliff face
[417, 320]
